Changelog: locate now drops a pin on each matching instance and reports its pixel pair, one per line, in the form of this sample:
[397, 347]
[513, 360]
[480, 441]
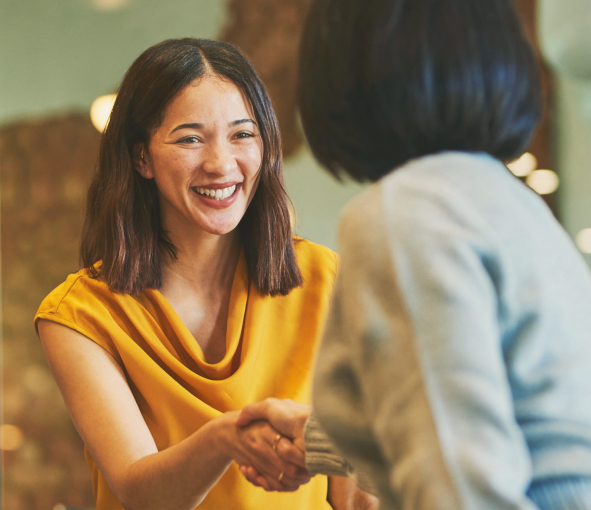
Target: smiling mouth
[216, 194]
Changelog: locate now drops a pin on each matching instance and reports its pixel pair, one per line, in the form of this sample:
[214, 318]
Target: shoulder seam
[64, 296]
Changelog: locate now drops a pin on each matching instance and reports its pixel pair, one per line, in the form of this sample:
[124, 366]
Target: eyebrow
[197, 125]
[242, 121]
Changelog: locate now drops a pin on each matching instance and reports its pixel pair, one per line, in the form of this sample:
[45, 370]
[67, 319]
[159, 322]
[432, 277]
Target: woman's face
[205, 158]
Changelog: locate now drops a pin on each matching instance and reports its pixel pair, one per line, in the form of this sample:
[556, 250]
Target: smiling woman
[194, 299]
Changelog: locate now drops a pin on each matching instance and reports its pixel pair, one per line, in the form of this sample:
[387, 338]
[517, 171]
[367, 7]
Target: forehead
[209, 96]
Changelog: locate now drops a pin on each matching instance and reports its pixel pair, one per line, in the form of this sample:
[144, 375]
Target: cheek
[255, 162]
[171, 169]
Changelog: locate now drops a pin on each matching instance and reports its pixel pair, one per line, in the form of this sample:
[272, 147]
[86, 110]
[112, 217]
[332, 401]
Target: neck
[204, 261]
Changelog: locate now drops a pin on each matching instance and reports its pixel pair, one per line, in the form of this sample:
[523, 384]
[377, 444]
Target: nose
[218, 158]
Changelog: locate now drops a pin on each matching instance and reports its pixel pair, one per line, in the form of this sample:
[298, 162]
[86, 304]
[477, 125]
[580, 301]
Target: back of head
[384, 81]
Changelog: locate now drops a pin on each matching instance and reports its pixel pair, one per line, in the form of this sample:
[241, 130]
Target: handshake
[281, 462]
[273, 432]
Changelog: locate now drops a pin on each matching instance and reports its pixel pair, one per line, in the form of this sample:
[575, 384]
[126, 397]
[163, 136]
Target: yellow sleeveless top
[271, 344]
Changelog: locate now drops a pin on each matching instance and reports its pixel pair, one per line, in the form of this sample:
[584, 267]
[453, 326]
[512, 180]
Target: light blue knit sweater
[456, 364]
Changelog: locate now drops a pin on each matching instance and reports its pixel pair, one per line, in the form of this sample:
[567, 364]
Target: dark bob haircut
[122, 225]
[384, 81]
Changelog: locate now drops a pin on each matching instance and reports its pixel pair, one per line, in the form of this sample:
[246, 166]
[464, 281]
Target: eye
[189, 139]
[244, 134]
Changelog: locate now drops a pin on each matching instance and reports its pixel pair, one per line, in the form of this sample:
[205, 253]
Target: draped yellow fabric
[271, 344]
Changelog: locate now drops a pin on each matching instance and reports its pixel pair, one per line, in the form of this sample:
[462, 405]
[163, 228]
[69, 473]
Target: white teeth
[218, 194]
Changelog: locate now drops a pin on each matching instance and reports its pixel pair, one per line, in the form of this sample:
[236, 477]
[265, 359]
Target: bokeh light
[11, 437]
[523, 166]
[583, 240]
[101, 110]
[109, 5]
[37, 379]
[543, 182]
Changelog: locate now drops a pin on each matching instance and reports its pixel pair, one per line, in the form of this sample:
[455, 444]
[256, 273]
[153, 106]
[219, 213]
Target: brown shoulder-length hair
[122, 225]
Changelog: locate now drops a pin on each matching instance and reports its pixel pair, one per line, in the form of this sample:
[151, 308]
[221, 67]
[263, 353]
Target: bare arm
[109, 421]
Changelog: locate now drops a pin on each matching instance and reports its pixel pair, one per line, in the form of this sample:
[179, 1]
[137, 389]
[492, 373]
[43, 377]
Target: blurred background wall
[56, 57]
[564, 28]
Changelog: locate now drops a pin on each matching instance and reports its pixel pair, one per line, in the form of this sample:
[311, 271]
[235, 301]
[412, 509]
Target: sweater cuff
[321, 456]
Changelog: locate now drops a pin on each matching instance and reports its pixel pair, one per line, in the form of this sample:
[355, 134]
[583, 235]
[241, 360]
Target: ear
[140, 161]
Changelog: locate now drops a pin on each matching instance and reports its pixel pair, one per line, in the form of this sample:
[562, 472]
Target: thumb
[252, 412]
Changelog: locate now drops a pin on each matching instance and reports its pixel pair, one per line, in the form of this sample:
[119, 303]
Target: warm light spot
[109, 5]
[100, 111]
[543, 182]
[11, 437]
[59, 506]
[523, 166]
[583, 240]
[37, 379]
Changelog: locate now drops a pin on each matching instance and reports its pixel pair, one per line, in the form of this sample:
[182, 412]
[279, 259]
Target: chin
[220, 230]
[216, 223]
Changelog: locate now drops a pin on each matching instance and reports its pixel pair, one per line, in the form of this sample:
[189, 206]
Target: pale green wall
[59, 55]
[564, 30]
[317, 198]
[62, 54]
[574, 158]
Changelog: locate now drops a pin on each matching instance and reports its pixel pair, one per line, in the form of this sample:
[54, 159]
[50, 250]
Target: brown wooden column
[45, 168]
[269, 31]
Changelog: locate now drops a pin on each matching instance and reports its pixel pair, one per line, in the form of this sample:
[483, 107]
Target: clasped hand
[273, 431]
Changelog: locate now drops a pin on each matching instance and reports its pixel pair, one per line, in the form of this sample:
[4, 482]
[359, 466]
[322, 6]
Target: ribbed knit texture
[562, 494]
[322, 457]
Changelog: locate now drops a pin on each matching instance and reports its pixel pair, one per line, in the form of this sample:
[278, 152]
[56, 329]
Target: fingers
[288, 484]
[283, 448]
[285, 456]
[283, 483]
[276, 440]
[253, 412]
[253, 476]
[258, 446]
[290, 453]
[276, 463]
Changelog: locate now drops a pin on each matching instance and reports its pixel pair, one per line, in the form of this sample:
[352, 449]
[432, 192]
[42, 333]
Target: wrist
[226, 434]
